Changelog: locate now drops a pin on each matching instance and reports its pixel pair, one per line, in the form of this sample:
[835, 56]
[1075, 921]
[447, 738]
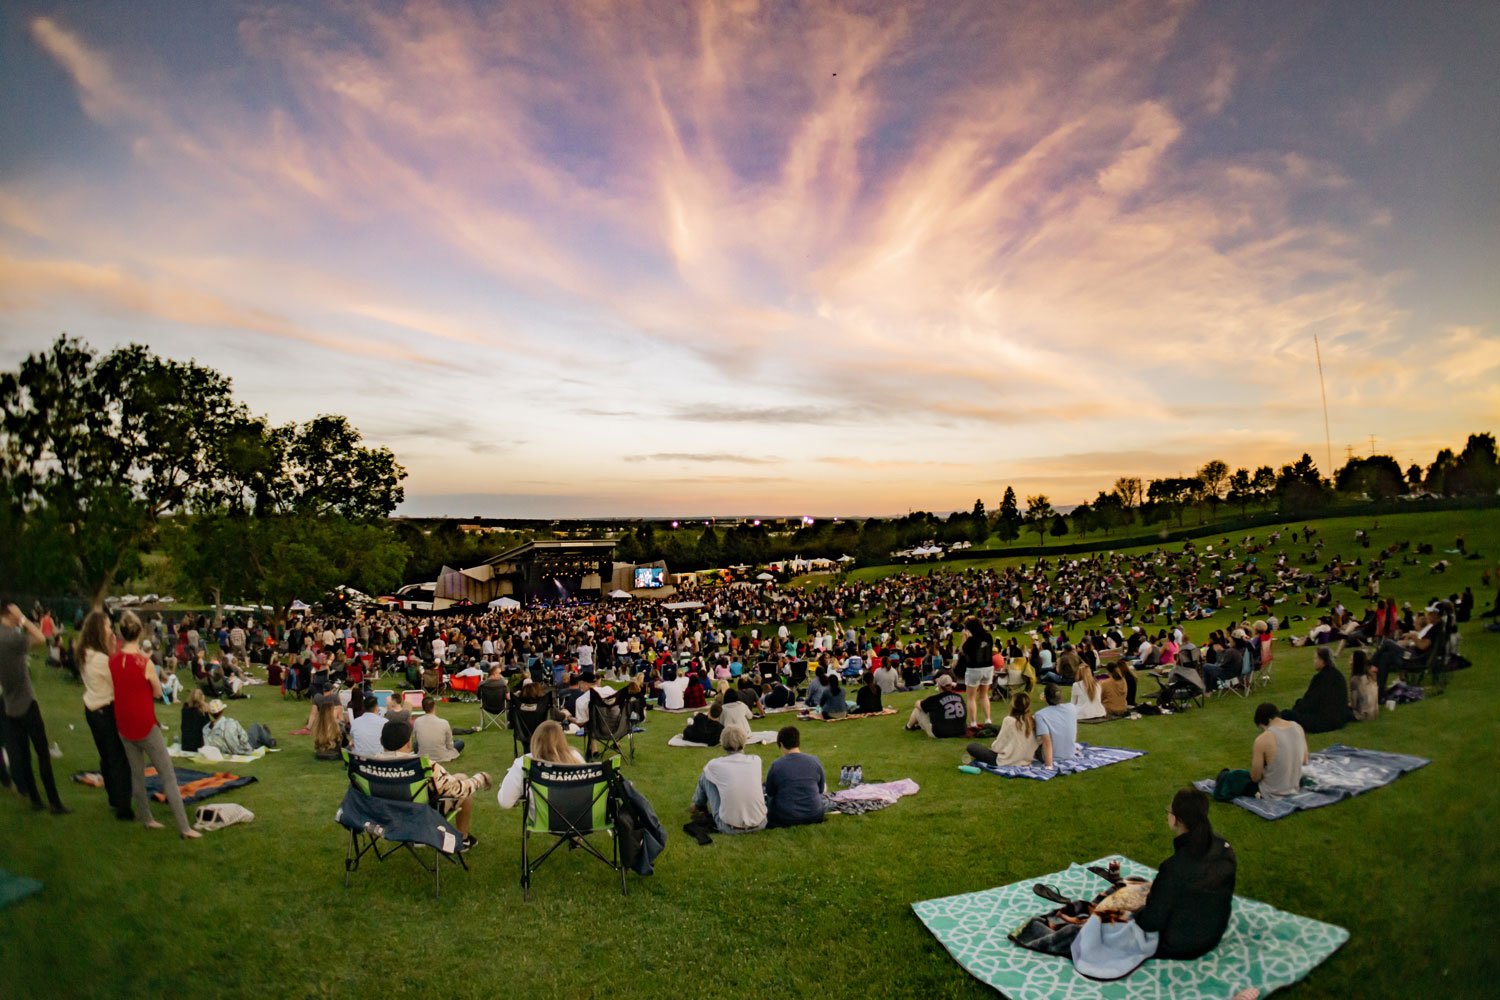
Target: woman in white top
[1018, 742]
[548, 744]
[736, 713]
[1088, 696]
[95, 643]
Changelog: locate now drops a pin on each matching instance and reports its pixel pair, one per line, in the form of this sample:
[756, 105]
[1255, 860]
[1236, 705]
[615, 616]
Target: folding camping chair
[493, 699]
[569, 802]
[391, 802]
[610, 723]
[525, 716]
[1429, 660]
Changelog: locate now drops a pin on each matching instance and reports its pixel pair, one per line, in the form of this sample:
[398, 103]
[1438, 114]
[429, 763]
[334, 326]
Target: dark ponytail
[1190, 806]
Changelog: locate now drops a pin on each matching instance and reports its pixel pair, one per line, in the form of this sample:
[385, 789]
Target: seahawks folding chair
[389, 807]
[610, 724]
[569, 803]
[525, 715]
[492, 705]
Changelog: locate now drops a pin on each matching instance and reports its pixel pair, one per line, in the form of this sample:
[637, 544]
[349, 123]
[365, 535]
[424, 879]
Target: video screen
[650, 576]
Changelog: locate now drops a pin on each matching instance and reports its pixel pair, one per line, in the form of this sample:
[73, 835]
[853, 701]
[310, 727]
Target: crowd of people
[829, 651]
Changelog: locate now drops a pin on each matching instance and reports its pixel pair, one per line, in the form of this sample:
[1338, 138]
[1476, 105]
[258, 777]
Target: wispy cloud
[680, 456]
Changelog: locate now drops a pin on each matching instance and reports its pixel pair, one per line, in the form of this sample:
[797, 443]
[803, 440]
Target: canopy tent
[764, 576]
[297, 606]
[682, 605]
[846, 559]
[620, 595]
[504, 604]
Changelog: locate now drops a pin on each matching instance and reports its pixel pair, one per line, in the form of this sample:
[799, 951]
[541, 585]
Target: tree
[1379, 476]
[1438, 472]
[1264, 483]
[1108, 511]
[101, 448]
[1008, 524]
[1214, 477]
[707, 551]
[1083, 519]
[1300, 488]
[1128, 489]
[1240, 490]
[1477, 470]
[1039, 514]
[1414, 477]
[1059, 526]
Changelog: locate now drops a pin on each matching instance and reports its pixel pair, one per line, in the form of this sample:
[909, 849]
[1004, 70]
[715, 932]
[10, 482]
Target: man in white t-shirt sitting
[730, 788]
[672, 692]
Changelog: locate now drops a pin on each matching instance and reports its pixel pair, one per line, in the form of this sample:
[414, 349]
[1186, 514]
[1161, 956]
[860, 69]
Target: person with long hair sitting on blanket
[1018, 741]
[1189, 903]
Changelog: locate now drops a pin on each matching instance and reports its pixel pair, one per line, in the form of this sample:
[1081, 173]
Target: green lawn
[260, 911]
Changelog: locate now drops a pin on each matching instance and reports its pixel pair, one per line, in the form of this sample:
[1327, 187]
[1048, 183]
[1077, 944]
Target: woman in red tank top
[136, 689]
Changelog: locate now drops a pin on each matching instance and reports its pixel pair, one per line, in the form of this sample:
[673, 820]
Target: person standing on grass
[136, 689]
[95, 644]
[24, 729]
[976, 656]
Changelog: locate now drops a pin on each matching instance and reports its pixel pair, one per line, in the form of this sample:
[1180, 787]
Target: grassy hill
[260, 911]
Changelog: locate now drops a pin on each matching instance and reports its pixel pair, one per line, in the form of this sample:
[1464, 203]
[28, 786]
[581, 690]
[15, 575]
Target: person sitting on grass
[1364, 687]
[834, 704]
[705, 727]
[194, 721]
[735, 714]
[867, 698]
[888, 677]
[455, 792]
[1189, 903]
[432, 736]
[365, 725]
[549, 744]
[1017, 744]
[230, 737]
[1277, 756]
[1325, 706]
[1087, 696]
[794, 783]
[1057, 728]
[1114, 693]
[328, 735]
[942, 715]
[729, 791]
[777, 695]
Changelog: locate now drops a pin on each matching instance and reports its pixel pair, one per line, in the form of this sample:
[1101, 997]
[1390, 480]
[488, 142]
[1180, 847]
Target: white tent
[296, 606]
[682, 605]
[504, 604]
[846, 559]
[621, 595]
[764, 576]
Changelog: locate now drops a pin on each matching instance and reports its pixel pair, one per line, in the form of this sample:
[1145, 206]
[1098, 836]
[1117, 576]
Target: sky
[647, 258]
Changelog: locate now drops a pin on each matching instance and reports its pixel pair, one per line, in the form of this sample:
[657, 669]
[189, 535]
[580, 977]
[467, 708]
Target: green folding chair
[569, 803]
[405, 783]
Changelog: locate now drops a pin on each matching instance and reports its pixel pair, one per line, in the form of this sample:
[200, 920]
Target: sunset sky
[585, 258]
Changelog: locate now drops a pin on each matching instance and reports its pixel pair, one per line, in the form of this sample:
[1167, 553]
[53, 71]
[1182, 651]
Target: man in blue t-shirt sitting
[794, 784]
[1057, 725]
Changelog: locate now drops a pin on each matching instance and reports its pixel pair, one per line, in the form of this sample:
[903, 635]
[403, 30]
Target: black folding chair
[610, 724]
[525, 716]
[569, 802]
[403, 816]
[1429, 660]
[494, 698]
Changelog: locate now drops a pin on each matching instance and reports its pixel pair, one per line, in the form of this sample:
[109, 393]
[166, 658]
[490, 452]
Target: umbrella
[623, 595]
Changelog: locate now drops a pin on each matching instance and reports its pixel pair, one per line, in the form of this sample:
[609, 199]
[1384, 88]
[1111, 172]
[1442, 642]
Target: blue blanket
[1086, 759]
[1337, 773]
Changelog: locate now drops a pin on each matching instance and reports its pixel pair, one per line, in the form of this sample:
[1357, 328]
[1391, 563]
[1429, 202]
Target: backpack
[1231, 784]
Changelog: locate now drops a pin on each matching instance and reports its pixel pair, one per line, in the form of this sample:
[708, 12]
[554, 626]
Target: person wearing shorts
[976, 655]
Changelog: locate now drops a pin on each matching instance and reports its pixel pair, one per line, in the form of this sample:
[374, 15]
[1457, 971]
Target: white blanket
[678, 741]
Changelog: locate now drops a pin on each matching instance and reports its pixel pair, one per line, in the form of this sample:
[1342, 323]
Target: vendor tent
[620, 595]
[504, 604]
[764, 576]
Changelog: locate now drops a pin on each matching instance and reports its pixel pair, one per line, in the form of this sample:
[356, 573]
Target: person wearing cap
[942, 715]
[730, 790]
[454, 791]
[229, 736]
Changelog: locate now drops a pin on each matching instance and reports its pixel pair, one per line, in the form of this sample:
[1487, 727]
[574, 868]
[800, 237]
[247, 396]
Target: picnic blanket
[863, 798]
[1085, 759]
[678, 741]
[1263, 946]
[14, 888]
[1340, 772]
[197, 757]
[848, 718]
[193, 786]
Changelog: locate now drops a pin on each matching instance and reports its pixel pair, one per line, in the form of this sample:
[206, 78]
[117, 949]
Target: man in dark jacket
[1325, 706]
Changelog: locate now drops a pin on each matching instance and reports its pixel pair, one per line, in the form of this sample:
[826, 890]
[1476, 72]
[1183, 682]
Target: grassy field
[260, 911]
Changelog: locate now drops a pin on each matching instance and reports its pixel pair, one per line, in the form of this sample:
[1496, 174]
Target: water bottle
[858, 777]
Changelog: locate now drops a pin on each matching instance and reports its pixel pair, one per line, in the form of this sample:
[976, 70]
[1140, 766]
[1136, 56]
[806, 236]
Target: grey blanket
[1337, 773]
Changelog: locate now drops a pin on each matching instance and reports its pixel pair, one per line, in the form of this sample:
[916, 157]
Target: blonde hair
[327, 736]
[1086, 678]
[548, 743]
[197, 701]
